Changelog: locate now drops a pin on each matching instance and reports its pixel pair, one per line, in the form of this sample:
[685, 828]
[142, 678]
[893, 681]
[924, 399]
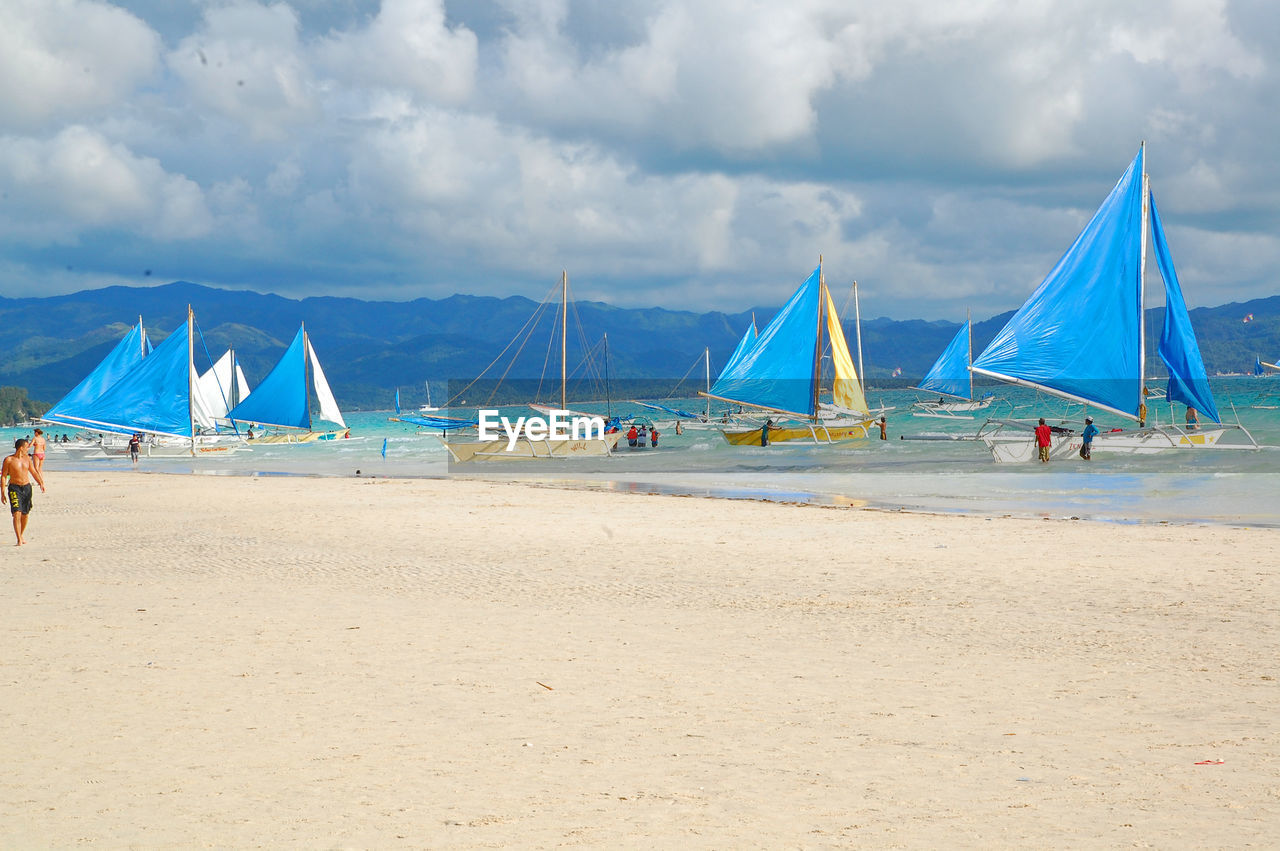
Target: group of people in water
[639, 435]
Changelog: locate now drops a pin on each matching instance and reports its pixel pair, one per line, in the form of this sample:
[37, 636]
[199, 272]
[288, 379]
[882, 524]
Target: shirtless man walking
[17, 473]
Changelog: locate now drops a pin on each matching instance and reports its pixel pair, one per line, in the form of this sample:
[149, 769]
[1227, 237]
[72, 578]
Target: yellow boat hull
[818, 433]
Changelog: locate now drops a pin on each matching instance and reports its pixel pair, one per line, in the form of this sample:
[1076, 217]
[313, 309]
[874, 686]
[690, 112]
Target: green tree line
[16, 408]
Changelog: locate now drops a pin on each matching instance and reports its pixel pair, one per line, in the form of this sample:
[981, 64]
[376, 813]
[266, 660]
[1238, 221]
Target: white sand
[194, 661]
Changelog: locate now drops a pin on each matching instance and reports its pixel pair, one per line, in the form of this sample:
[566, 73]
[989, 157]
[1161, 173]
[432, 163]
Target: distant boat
[462, 448]
[427, 408]
[779, 373]
[681, 419]
[950, 377]
[1080, 337]
[281, 401]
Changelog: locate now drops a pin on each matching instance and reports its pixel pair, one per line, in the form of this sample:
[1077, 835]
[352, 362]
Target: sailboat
[223, 386]
[124, 357]
[281, 402]
[463, 449]
[950, 377]
[1080, 336]
[158, 397]
[427, 408]
[779, 374]
[683, 420]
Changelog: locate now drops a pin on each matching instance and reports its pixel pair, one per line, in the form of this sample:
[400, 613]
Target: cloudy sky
[682, 153]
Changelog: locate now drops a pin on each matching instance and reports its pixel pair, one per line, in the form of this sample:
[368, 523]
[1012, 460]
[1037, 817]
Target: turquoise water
[1212, 486]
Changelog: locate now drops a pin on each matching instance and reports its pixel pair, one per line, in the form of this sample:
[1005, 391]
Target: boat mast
[1142, 285]
[968, 321]
[706, 357]
[608, 393]
[857, 319]
[191, 368]
[142, 337]
[306, 374]
[817, 349]
[564, 334]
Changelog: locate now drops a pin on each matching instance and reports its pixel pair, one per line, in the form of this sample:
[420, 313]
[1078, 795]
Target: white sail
[214, 387]
[328, 405]
[202, 412]
[242, 385]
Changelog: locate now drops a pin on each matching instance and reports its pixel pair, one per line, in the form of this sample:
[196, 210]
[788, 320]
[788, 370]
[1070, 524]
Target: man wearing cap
[1086, 448]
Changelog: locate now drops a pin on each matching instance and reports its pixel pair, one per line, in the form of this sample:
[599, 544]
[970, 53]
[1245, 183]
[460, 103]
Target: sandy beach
[198, 661]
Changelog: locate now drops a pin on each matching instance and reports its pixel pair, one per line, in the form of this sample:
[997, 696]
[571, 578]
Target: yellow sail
[846, 388]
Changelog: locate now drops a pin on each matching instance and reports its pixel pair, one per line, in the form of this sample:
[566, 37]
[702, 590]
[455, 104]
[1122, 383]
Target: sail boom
[1053, 392]
[959, 396]
[802, 415]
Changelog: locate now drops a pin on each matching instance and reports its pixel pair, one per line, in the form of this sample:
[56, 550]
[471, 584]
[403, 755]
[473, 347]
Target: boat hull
[817, 433]
[525, 449]
[1012, 447]
[299, 437]
[177, 447]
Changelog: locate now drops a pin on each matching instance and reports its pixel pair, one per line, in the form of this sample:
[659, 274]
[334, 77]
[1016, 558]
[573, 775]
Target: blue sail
[127, 354]
[280, 399]
[1079, 333]
[744, 345]
[155, 396]
[1257, 366]
[1188, 382]
[778, 371]
[949, 375]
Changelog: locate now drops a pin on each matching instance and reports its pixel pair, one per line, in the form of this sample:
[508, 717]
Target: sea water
[1217, 486]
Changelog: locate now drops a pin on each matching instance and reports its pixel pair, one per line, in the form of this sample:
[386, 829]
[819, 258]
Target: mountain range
[371, 348]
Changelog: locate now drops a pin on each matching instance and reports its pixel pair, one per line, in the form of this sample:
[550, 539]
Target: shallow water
[1177, 486]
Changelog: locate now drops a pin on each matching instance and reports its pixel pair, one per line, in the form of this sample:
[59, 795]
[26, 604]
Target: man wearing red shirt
[1044, 436]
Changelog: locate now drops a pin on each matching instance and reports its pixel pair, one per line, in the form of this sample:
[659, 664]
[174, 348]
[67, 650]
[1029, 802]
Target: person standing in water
[1044, 439]
[16, 474]
[884, 428]
[1087, 436]
[1193, 419]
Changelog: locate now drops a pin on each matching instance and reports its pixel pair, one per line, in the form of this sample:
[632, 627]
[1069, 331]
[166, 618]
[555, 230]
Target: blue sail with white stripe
[1079, 334]
[1188, 381]
[155, 396]
[126, 355]
[280, 399]
[778, 372]
[949, 374]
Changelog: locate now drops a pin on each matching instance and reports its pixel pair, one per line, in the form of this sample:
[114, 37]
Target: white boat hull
[1016, 446]
[177, 447]
[949, 410]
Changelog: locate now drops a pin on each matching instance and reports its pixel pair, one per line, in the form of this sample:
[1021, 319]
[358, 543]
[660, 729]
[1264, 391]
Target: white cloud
[406, 46]
[77, 181]
[247, 64]
[61, 58]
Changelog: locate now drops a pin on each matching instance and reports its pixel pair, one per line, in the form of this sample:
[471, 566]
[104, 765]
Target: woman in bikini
[38, 447]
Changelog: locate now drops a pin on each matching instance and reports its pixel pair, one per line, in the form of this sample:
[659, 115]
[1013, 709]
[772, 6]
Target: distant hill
[370, 348]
